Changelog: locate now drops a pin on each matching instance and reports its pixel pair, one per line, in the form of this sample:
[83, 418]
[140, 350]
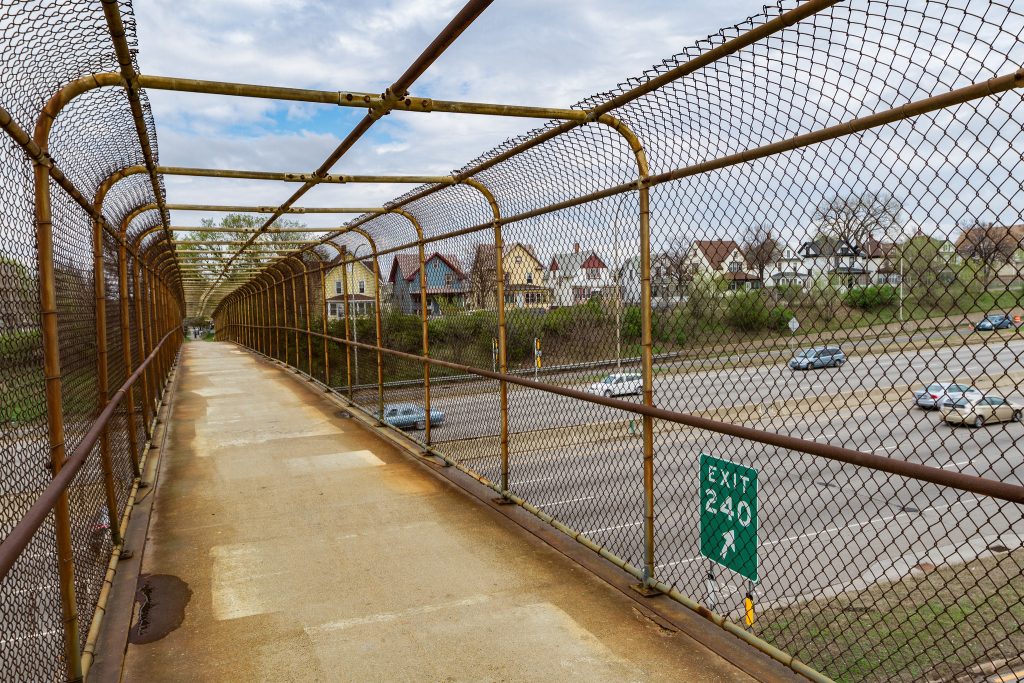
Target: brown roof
[716, 251]
[409, 264]
[484, 258]
[874, 249]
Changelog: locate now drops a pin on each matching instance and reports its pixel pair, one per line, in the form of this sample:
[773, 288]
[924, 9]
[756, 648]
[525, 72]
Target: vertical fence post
[276, 337]
[323, 320]
[499, 277]
[426, 346]
[126, 353]
[380, 342]
[499, 293]
[309, 314]
[348, 314]
[55, 418]
[151, 322]
[102, 378]
[647, 360]
[295, 313]
[143, 346]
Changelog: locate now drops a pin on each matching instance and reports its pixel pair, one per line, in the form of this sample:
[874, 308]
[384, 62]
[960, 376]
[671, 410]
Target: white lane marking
[856, 525]
[530, 481]
[384, 617]
[563, 502]
[612, 528]
[686, 561]
[958, 464]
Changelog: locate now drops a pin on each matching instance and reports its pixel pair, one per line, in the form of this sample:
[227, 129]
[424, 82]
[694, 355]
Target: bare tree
[678, 271]
[482, 282]
[760, 249]
[845, 224]
[988, 245]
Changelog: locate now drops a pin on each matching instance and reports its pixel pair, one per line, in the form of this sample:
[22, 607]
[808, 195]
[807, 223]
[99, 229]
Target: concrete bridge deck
[293, 544]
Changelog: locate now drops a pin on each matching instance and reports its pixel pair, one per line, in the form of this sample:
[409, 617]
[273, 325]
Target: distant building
[445, 278]
[524, 278]
[722, 258]
[362, 288]
[576, 276]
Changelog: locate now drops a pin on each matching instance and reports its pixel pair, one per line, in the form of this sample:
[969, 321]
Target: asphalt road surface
[823, 527]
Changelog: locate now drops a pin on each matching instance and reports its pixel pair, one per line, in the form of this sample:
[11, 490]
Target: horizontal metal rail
[1011, 493]
[16, 542]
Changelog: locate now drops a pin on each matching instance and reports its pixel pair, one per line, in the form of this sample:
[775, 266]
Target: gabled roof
[410, 265]
[484, 257]
[716, 251]
[873, 248]
[573, 261]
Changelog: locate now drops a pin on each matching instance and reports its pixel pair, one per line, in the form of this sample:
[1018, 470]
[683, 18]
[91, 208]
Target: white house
[576, 276]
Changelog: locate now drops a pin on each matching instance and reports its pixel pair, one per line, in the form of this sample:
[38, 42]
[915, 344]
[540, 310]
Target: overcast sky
[519, 51]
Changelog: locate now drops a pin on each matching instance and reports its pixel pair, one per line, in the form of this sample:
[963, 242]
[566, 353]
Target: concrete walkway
[315, 551]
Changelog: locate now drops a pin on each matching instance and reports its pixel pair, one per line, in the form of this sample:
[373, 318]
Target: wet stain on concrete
[160, 602]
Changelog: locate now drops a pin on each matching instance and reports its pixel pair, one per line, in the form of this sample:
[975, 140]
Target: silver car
[935, 395]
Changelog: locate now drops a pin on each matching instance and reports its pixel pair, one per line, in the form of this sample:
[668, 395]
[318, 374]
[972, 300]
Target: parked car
[818, 357]
[411, 416]
[934, 395]
[995, 321]
[978, 413]
[618, 384]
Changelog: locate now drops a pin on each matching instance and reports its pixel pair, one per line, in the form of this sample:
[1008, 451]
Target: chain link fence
[834, 254]
[44, 615]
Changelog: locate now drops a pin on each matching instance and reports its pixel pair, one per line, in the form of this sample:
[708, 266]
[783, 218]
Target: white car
[618, 384]
[940, 393]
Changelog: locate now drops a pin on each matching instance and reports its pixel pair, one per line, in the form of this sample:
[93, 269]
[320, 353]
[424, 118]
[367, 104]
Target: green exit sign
[728, 515]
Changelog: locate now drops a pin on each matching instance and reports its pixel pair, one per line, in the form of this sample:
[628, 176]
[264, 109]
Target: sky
[527, 52]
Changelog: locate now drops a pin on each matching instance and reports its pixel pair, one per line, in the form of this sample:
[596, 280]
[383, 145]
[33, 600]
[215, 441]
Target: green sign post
[728, 515]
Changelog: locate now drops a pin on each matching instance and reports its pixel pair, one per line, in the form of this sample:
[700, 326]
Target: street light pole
[618, 289]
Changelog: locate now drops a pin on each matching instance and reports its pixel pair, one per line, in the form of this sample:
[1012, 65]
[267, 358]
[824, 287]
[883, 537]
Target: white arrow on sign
[730, 542]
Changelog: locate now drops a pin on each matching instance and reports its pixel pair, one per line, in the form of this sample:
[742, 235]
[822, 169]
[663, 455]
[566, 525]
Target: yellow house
[524, 277]
[362, 287]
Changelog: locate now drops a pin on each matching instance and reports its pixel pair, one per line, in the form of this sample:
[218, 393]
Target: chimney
[576, 247]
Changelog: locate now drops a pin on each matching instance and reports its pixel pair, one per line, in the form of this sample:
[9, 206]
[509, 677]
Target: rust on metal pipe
[18, 539]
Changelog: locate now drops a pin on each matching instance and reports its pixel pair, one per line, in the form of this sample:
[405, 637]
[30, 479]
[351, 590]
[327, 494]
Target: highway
[824, 527]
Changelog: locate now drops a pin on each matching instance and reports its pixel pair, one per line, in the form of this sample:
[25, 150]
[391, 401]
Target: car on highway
[987, 409]
[411, 416]
[618, 384]
[934, 395]
[995, 321]
[818, 357]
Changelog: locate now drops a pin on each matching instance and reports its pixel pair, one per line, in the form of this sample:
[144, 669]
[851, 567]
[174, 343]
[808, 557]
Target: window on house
[593, 273]
[519, 259]
[734, 267]
[529, 278]
[362, 286]
[449, 279]
[337, 286]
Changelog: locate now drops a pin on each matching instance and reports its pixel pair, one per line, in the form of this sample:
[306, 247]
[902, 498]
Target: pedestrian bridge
[644, 393]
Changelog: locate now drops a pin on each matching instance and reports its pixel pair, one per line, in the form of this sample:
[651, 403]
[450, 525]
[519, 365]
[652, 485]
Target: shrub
[631, 323]
[746, 312]
[21, 345]
[870, 297]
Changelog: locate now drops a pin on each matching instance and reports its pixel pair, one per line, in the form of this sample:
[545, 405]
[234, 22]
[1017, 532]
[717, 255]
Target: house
[724, 259]
[446, 282]
[524, 278]
[850, 265]
[669, 280]
[996, 248]
[789, 270]
[577, 276]
[362, 288]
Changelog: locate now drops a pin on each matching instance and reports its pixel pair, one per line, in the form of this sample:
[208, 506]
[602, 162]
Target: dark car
[996, 321]
[818, 357]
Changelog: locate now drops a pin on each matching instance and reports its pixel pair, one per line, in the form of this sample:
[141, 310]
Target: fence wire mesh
[864, 291]
[47, 46]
